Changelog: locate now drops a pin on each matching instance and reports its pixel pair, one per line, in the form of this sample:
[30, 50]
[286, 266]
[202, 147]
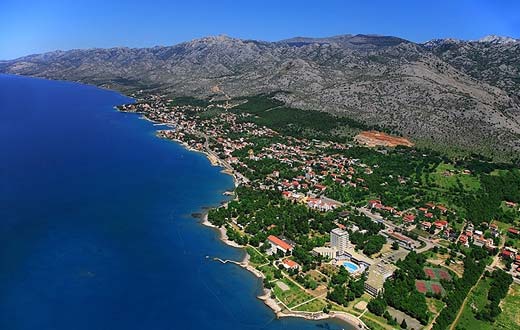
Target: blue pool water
[350, 266]
[95, 225]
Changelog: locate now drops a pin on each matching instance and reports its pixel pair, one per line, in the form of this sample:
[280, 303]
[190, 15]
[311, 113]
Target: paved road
[378, 218]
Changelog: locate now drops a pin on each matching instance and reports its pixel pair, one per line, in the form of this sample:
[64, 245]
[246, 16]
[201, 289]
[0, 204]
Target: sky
[31, 26]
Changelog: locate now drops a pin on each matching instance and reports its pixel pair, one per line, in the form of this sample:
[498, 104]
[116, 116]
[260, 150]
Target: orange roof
[290, 263]
[275, 240]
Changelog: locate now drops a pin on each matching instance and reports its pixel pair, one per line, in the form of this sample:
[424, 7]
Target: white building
[339, 239]
[324, 251]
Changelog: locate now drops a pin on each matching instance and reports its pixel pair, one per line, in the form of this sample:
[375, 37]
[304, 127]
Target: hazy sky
[28, 26]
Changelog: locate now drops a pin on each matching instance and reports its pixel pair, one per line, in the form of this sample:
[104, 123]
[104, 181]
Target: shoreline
[270, 302]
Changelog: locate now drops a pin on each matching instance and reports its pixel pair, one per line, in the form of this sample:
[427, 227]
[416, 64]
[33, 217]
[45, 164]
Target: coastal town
[366, 228]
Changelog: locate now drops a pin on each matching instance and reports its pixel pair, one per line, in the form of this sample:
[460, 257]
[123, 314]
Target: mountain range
[447, 93]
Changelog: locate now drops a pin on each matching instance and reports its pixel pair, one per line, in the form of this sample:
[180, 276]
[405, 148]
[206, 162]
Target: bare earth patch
[282, 286]
[375, 138]
[360, 306]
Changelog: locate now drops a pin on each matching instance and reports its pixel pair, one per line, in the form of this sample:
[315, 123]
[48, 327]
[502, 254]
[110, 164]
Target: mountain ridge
[461, 93]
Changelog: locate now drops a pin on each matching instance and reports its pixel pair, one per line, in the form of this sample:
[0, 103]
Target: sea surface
[95, 222]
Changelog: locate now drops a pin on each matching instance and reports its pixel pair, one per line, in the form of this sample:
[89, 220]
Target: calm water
[95, 226]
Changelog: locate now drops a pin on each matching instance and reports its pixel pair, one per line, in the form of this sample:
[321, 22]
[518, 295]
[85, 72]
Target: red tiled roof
[409, 217]
[275, 240]
[440, 223]
[290, 263]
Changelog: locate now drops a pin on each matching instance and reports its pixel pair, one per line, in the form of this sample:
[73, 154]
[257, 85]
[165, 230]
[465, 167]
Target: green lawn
[509, 319]
[267, 270]
[477, 300]
[469, 182]
[370, 320]
[316, 305]
[256, 258]
[292, 297]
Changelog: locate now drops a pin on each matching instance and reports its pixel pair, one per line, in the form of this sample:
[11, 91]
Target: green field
[477, 300]
[509, 319]
[316, 305]
[267, 270]
[256, 258]
[292, 297]
[468, 182]
[376, 322]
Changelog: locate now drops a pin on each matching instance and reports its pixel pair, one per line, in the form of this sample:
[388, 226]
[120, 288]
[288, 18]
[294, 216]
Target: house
[463, 239]
[506, 254]
[442, 209]
[286, 194]
[402, 240]
[290, 264]
[278, 245]
[409, 218]
[441, 224]
[513, 231]
[375, 204]
[517, 260]
[341, 226]
[320, 187]
[426, 225]
[480, 241]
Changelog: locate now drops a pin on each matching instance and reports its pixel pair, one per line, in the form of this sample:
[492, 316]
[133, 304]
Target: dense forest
[400, 291]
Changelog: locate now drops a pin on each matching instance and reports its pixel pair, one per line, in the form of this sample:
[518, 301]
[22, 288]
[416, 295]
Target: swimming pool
[351, 267]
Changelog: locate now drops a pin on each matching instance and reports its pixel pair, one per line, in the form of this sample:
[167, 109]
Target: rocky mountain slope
[448, 93]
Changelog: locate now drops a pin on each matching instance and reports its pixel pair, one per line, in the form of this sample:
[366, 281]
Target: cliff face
[445, 91]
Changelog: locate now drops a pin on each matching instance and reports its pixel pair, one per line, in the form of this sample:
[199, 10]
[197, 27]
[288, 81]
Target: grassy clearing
[316, 305]
[476, 301]
[267, 270]
[455, 180]
[376, 322]
[256, 258]
[435, 305]
[292, 297]
[509, 319]
[208, 114]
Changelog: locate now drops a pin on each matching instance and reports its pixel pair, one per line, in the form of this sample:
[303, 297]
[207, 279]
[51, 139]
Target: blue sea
[96, 229]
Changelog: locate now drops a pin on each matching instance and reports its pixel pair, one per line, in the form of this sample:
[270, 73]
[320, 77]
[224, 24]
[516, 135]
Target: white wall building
[324, 251]
[339, 239]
